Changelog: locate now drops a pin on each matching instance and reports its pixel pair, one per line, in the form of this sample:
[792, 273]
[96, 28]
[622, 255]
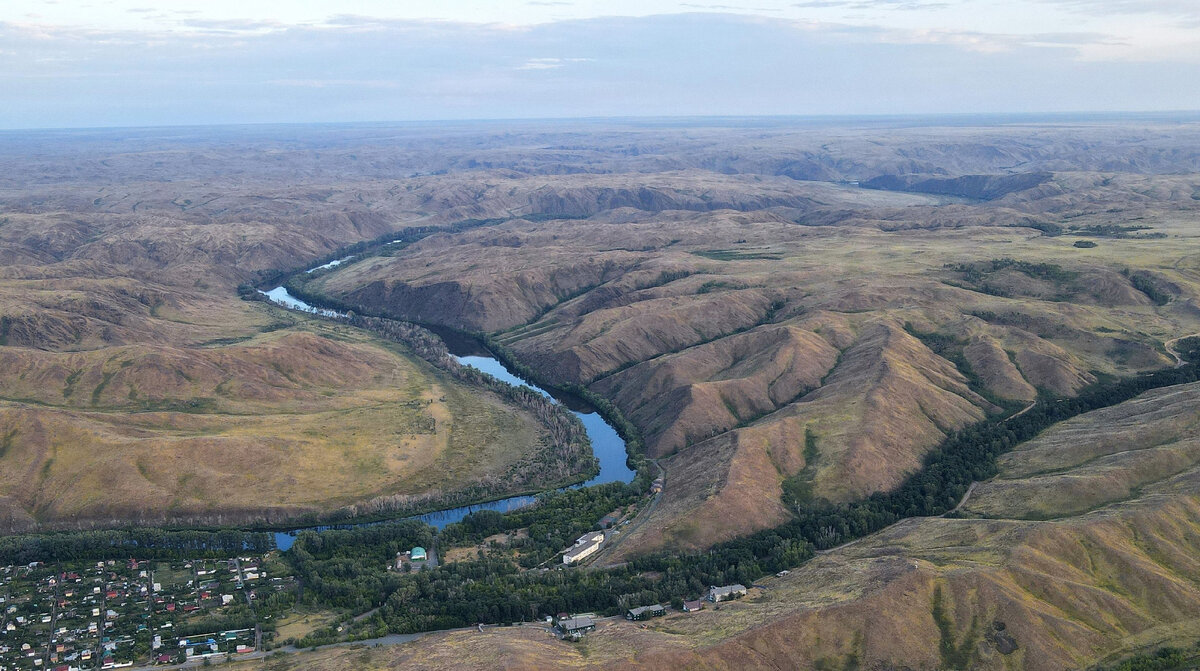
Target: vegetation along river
[607, 445]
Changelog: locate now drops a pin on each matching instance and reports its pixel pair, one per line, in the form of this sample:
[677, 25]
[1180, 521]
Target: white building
[718, 594]
[590, 537]
[585, 546]
[579, 552]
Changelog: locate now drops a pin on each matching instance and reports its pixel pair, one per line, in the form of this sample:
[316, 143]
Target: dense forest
[143, 543]
[1163, 659]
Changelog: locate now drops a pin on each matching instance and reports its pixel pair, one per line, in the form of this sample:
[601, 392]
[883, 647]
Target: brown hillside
[1038, 595]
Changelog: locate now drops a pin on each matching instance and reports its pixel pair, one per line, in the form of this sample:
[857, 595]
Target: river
[607, 445]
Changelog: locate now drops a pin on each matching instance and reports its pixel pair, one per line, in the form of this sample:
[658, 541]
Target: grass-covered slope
[946, 593]
[302, 419]
[727, 338]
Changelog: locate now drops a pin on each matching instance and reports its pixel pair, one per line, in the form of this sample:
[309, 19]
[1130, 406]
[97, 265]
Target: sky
[89, 63]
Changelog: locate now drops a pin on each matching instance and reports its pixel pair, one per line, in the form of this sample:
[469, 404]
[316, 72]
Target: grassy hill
[302, 419]
[1084, 588]
[727, 337]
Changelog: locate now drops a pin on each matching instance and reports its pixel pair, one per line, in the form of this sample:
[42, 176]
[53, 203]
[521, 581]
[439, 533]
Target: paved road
[392, 639]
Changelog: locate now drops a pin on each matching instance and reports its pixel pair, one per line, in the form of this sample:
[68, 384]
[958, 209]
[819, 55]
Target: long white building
[587, 545]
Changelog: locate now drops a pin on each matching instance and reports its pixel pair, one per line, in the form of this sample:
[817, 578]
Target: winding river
[607, 445]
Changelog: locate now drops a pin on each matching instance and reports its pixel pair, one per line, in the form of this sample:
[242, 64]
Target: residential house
[610, 519]
[576, 627]
[645, 612]
[718, 594]
[693, 606]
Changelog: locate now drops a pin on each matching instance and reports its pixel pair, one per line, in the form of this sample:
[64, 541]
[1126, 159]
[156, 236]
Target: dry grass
[1096, 459]
[299, 625]
[299, 419]
[691, 358]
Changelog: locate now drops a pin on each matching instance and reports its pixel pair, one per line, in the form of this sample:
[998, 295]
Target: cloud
[364, 69]
[232, 25]
[1074, 39]
[729, 8]
[549, 63]
[1187, 8]
[904, 5]
[337, 83]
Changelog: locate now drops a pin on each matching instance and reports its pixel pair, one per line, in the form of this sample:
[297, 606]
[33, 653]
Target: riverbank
[609, 446]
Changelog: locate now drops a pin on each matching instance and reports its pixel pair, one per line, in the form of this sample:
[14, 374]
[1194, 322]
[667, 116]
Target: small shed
[693, 606]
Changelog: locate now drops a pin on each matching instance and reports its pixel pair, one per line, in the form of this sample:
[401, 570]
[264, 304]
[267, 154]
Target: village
[116, 614]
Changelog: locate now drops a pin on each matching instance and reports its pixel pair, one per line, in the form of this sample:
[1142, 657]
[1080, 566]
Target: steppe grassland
[316, 415]
[894, 263]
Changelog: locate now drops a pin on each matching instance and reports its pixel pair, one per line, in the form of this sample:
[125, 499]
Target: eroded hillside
[821, 344]
[1111, 576]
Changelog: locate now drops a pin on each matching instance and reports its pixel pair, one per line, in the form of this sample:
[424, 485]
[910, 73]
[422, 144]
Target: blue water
[281, 296]
[607, 445]
[331, 264]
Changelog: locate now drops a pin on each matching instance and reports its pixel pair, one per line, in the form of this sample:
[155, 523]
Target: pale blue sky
[145, 62]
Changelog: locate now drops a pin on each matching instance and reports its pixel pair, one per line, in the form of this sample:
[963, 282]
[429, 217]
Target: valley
[997, 592]
[824, 332]
[818, 334]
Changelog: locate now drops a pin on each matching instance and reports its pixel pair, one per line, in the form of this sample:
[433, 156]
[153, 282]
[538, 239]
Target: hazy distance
[125, 63]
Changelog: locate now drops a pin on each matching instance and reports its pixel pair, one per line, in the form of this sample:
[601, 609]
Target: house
[718, 594]
[693, 606]
[576, 626]
[579, 552]
[645, 612]
[656, 486]
[418, 554]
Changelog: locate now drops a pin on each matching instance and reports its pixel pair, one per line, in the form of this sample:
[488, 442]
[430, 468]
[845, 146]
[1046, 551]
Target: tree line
[142, 542]
[495, 589]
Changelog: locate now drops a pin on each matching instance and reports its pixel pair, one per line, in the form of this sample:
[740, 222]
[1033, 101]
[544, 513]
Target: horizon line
[1080, 115]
